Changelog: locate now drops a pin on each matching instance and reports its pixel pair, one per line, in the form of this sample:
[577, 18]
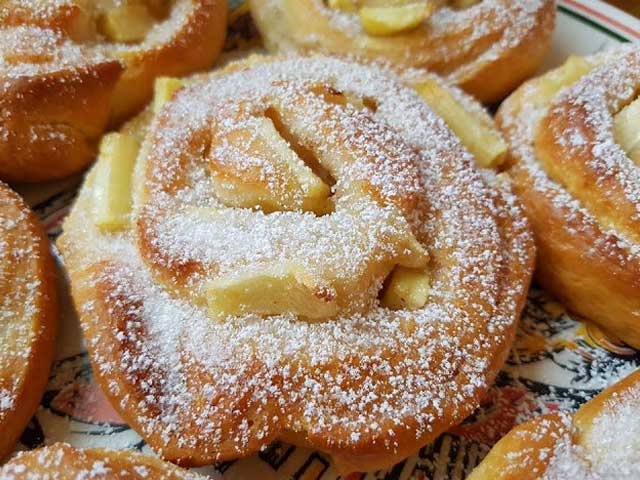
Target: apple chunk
[164, 88]
[112, 181]
[256, 167]
[484, 142]
[272, 290]
[552, 82]
[626, 128]
[127, 23]
[408, 288]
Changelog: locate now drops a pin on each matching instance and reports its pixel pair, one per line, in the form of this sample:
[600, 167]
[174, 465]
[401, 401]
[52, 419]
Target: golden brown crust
[580, 212]
[63, 85]
[51, 123]
[572, 446]
[29, 315]
[61, 461]
[487, 49]
[369, 387]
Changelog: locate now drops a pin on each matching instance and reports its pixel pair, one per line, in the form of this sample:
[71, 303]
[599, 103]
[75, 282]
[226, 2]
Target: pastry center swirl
[291, 200]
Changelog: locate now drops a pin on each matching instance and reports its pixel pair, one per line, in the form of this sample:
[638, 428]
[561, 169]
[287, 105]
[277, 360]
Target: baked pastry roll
[70, 68]
[62, 461]
[28, 315]
[298, 250]
[598, 442]
[487, 47]
[573, 135]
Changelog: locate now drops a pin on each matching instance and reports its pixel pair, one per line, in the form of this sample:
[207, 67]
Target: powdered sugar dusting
[598, 96]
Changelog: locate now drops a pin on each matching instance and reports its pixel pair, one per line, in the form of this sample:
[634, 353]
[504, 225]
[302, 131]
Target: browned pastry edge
[591, 278]
[193, 48]
[44, 327]
[53, 122]
[580, 262]
[488, 79]
[499, 78]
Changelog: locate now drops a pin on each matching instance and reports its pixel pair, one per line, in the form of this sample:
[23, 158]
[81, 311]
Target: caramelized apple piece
[112, 181]
[408, 288]
[551, 83]
[272, 290]
[626, 127]
[127, 23]
[484, 142]
[164, 88]
[390, 20]
[293, 185]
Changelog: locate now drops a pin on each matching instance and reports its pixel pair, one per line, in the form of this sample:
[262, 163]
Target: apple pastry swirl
[574, 137]
[299, 249]
[70, 68]
[487, 47]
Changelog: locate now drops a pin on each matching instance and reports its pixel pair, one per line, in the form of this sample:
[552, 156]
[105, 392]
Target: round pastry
[70, 68]
[599, 442]
[574, 147]
[62, 461]
[28, 315]
[488, 47]
[296, 250]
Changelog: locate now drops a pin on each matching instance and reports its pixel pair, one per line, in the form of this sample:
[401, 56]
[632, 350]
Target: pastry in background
[71, 68]
[28, 315]
[575, 155]
[601, 441]
[487, 47]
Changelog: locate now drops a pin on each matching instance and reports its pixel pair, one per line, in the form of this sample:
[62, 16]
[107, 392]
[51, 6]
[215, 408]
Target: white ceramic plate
[557, 362]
